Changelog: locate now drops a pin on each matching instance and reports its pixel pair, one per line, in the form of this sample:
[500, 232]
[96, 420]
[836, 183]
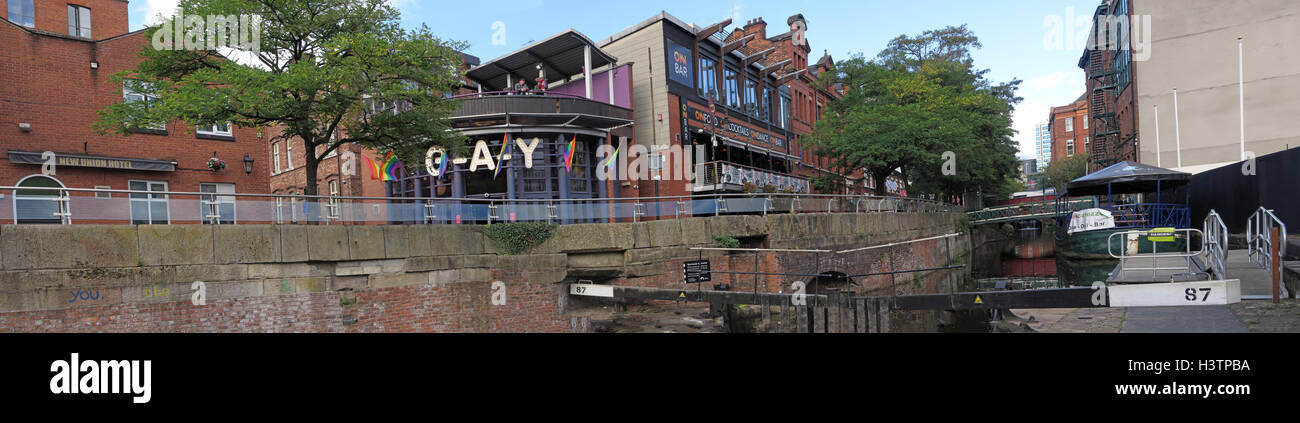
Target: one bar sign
[697, 271]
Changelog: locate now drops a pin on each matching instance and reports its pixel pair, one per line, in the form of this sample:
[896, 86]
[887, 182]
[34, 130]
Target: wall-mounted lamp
[248, 164]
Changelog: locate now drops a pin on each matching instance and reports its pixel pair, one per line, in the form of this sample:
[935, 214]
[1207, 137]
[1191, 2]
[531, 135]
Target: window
[1087, 142]
[221, 129]
[133, 91]
[334, 192]
[751, 97]
[37, 205]
[1069, 148]
[288, 153]
[731, 87]
[1085, 121]
[275, 157]
[279, 209]
[1069, 125]
[78, 21]
[103, 195]
[765, 104]
[22, 12]
[148, 208]
[578, 178]
[225, 203]
[785, 112]
[708, 77]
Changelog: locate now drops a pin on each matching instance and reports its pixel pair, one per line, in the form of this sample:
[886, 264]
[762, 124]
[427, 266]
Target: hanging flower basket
[215, 164]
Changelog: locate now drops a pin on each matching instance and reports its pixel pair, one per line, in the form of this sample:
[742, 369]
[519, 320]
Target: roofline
[570, 31]
[668, 17]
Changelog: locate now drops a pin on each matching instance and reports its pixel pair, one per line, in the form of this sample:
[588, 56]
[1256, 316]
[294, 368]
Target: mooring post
[1276, 264]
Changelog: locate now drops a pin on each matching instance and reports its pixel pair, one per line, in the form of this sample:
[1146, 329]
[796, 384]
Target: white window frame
[220, 198]
[1069, 148]
[148, 200]
[212, 130]
[1085, 121]
[20, 22]
[275, 156]
[1069, 124]
[128, 93]
[288, 152]
[15, 197]
[103, 195]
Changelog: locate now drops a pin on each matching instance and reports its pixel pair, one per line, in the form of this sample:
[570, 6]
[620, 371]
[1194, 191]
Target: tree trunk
[312, 164]
[879, 180]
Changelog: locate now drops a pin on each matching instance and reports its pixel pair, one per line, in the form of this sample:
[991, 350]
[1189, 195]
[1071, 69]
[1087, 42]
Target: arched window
[37, 206]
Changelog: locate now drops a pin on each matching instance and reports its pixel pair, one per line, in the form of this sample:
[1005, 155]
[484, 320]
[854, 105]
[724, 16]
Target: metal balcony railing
[106, 206]
[721, 176]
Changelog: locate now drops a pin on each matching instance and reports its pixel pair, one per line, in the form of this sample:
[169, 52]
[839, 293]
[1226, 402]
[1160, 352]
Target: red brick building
[1111, 90]
[54, 77]
[1069, 126]
[807, 101]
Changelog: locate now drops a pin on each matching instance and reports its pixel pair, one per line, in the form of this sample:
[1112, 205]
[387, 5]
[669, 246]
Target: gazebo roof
[561, 56]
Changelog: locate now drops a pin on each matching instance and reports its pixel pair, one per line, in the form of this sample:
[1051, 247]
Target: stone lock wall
[401, 278]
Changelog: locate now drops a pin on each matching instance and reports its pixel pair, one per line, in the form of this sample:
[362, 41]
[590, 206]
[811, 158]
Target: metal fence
[105, 206]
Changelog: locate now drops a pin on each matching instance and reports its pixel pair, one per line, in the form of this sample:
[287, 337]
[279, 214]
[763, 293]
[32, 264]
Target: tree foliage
[1061, 172]
[323, 68]
[919, 98]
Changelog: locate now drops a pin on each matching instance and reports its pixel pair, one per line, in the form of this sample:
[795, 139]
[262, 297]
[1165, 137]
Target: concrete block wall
[417, 278]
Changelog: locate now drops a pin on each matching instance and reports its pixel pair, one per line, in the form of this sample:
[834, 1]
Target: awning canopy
[561, 56]
[1126, 178]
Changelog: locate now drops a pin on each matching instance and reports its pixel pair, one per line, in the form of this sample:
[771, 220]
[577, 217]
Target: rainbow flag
[442, 165]
[613, 158]
[505, 144]
[568, 154]
[390, 167]
[374, 168]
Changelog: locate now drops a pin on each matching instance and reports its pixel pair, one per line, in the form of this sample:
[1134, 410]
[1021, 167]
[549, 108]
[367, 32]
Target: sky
[1036, 41]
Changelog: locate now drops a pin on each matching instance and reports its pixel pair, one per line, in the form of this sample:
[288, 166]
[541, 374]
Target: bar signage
[79, 160]
[739, 131]
[679, 64]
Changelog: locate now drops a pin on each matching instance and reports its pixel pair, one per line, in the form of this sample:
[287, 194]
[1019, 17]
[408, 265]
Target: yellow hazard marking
[978, 300]
[681, 295]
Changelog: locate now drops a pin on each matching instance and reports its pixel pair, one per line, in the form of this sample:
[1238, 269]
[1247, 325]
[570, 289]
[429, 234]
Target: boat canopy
[1126, 178]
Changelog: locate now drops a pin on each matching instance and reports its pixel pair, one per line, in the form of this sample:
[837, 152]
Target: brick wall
[48, 82]
[412, 278]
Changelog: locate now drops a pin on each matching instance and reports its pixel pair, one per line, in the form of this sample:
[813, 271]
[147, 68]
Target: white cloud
[154, 10]
[1040, 94]
[1046, 82]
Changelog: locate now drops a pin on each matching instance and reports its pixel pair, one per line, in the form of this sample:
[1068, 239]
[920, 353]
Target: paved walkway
[1182, 319]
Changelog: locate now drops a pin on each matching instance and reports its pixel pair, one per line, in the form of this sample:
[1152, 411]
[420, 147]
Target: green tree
[917, 100]
[1061, 172]
[328, 72]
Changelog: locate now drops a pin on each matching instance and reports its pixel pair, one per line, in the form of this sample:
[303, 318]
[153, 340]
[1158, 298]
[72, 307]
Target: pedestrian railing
[1125, 258]
[108, 206]
[1214, 242]
[1259, 237]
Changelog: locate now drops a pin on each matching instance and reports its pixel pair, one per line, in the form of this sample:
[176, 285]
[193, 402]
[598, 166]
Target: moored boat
[1131, 197]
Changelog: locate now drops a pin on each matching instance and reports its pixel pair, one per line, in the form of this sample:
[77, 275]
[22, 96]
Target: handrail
[1155, 254]
[530, 93]
[1259, 237]
[324, 208]
[1215, 244]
